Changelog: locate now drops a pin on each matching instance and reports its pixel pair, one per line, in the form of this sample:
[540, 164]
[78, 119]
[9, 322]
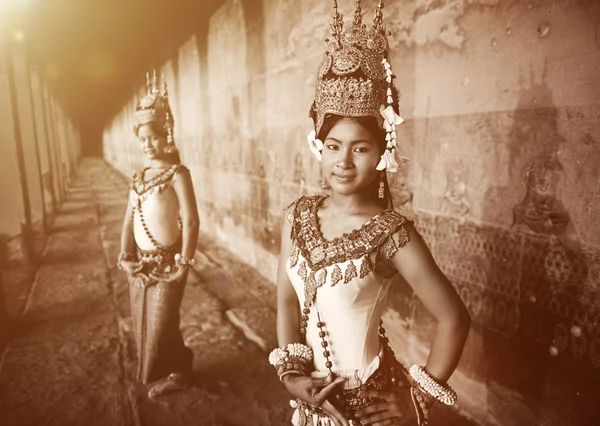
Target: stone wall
[502, 105]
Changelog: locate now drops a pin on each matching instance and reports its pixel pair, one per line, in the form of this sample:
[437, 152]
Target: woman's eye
[362, 149]
[332, 147]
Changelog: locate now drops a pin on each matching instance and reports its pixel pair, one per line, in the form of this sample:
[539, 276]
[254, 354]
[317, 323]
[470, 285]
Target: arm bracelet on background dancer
[427, 384]
[184, 261]
[125, 257]
[294, 358]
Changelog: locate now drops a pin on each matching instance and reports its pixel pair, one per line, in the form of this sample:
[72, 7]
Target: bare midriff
[161, 214]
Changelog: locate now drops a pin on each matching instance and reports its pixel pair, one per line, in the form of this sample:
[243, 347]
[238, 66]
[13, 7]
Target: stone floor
[71, 359]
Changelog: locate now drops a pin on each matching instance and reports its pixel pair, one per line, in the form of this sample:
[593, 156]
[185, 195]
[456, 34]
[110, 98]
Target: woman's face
[350, 157]
[153, 143]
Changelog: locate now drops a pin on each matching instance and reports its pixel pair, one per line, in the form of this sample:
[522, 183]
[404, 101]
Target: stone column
[28, 132]
[52, 146]
[37, 96]
[15, 211]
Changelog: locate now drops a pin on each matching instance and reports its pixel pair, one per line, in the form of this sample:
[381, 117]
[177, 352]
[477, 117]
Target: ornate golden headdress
[154, 107]
[354, 79]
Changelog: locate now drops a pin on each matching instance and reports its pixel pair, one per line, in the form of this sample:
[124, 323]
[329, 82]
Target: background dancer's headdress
[355, 80]
[154, 107]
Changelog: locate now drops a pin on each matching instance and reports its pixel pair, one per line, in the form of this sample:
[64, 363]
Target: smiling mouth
[149, 151]
[344, 177]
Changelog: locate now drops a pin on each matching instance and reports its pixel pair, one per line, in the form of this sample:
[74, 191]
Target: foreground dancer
[158, 241]
[339, 252]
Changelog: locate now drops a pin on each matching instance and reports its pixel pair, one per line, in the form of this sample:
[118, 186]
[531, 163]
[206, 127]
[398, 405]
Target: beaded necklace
[143, 189]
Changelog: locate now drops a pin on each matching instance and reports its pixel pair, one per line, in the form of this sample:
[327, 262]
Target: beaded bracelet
[293, 358]
[293, 349]
[444, 394]
[422, 403]
[288, 372]
[184, 261]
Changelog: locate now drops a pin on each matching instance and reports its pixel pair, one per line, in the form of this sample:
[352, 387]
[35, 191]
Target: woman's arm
[288, 308]
[189, 212]
[415, 262]
[127, 240]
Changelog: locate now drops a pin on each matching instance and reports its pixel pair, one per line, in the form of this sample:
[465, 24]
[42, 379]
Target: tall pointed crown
[351, 79]
[355, 80]
[154, 107]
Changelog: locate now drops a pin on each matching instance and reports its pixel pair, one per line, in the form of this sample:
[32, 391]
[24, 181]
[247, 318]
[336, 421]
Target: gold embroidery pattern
[310, 287]
[320, 253]
[290, 208]
[322, 277]
[350, 273]
[336, 275]
[365, 267]
[294, 255]
[302, 271]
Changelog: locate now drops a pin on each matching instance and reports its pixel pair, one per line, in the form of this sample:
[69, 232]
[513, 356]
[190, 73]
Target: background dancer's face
[350, 157]
[152, 140]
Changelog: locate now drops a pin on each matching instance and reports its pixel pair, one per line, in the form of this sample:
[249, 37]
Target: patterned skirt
[155, 313]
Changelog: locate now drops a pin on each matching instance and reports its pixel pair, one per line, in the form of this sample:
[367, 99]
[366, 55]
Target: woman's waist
[147, 236]
[358, 376]
[163, 254]
[347, 352]
[158, 223]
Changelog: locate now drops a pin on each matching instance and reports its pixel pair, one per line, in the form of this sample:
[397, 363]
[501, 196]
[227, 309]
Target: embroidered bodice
[339, 280]
[155, 208]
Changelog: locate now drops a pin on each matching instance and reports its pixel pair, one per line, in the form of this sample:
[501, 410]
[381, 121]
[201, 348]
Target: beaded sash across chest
[142, 189]
[377, 239]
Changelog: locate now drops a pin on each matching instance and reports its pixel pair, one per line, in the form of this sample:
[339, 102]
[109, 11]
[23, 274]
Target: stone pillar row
[39, 148]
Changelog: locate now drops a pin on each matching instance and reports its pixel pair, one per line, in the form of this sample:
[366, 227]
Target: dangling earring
[324, 183]
[170, 148]
[381, 187]
[168, 126]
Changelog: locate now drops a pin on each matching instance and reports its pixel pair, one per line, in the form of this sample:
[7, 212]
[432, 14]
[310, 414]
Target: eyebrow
[351, 142]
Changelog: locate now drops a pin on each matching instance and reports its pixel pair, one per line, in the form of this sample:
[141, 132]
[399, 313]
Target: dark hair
[370, 124]
[159, 130]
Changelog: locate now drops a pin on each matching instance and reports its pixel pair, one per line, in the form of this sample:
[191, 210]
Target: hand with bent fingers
[135, 270]
[171, 277]
[315, 392]
[131, 268]
[395, 409]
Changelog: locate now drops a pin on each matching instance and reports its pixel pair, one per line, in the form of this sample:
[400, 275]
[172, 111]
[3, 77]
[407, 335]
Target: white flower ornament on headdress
[388, 162]
[316, 145]
[390, 121]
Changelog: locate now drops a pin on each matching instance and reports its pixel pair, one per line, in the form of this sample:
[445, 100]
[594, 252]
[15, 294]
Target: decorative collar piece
[143, 188]
[318, 260]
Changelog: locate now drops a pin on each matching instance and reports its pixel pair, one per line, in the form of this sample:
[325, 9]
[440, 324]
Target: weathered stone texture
[502, 106]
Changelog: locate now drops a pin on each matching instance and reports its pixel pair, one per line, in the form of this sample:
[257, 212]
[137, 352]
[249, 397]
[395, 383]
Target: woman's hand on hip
[131, 267]
[170, 277]
[396, 407]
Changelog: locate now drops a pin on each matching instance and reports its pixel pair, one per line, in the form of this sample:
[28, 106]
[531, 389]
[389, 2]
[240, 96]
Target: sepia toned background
[502, 106]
